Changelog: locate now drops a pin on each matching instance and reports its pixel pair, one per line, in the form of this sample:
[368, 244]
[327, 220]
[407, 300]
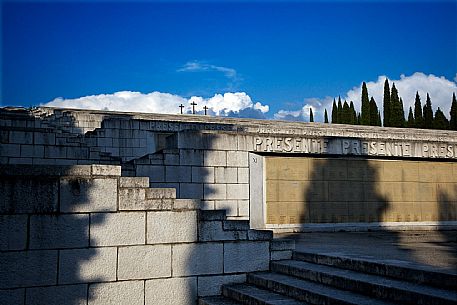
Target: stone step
[402, 270]
[248, 294]
[307, 291]
[161, 193]
[218, 300]
[236, 225]
[127, 182]
[372, 285]
[211, 215]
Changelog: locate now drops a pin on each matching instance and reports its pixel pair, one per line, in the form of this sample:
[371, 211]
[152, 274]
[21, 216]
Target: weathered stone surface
[226, 175]
[28, 194]
[28, 268]
[203, 174]
[282, 244]
[211, 285]
[178, 173]
[197, 259]
[237, 159]
[156, 173]
[237, 191]
[132, 198]
[213, 231]
[243, 175]
[186, 204]
[171, 227]
[133, 182]
[115, 229]
[88, 195]
[13, 232]
[57, 295]
[214, 158]
[161, 193]
[119, 293]
[59, 231]
[144, 262]
[173, 291]
[13, 296]
[230, 206]
[191, 190]
[87, 265]
[246, 256]
[280, 255]
[215, 191]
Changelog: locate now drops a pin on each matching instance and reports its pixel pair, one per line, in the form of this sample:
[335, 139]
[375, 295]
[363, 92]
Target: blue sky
[282, 54]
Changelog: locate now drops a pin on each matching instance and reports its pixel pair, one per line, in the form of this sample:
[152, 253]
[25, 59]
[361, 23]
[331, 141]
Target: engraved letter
[258, 144]
[373, 149]
[288, 145]
[345, 147]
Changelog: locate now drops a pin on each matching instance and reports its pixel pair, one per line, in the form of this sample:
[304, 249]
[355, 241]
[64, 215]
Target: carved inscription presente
[338, 146]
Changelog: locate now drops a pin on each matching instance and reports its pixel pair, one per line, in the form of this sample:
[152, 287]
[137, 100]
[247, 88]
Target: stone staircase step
[161, 193]
[134, 182]
[307, 291]
[397, 269]
[211, 215]
[236, 225]
[248, 294]
[218, 300]
[372, 285]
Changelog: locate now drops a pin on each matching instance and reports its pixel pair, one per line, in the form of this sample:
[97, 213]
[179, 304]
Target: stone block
[88, 195]
[243, 208]
[21, 137]
[28, 195]
[171, 159]
[10, 150]
[207, 205]
[133, 182]
[171, 227]
[282, 244]
[214, 231]
[186, 204]
[226, 175]
[191, 190]
[59, 231]
[144, 262]
[219, 141]
[77, 153]
[105, 170]
[44, 138]
[246, 256]
[12, 296]
[212, 215]
[203, 174]
[192, 157]
[28, 268]
[260, 235]
[238, 191]
[230, 207]
[19, 161]
[280, 255]
[32, 151]
[172, 291]
[237, 159]
[211, 285]
[13, 232]
[197, 259]
[116, 229]
[215, 191]
[243, 175]
[58, 152]
[57, 295]
[178, 173]
[87, 265]
[215, 158]
[156, 173]
[132, 198]
[161, 193]
[119, 293]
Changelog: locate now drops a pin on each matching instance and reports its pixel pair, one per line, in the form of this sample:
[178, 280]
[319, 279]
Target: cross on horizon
[206, 108]
[193, 107]
[181, 106]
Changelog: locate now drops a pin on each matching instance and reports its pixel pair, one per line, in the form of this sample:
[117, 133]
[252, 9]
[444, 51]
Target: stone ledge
[59, 170]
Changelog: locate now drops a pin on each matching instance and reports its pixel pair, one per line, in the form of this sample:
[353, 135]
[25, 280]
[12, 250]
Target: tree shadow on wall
[46, 253]
[447, 211]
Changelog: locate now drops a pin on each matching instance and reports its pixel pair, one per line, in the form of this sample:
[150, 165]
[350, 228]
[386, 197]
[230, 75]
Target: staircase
[313, 278]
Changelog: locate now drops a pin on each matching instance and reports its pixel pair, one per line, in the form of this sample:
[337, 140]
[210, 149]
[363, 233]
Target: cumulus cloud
[236, 104]
[440, 90]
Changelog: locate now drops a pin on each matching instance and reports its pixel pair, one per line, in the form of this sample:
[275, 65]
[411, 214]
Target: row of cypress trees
[393, 112]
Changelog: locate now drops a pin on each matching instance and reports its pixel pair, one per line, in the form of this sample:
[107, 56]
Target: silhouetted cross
[206, 108]
[193, 107]
[181, 106]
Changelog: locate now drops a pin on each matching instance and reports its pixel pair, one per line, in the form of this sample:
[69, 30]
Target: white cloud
[228, 104]
[198, 66]
[440, 90]
[318, 106]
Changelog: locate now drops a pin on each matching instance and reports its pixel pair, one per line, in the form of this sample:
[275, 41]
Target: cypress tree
[418, 118]
[411, 122]
[395, 112]
[346, 116]
[401, 113]
[428, 113]
[334, 113]
[340, 111]
[440, 121]
[386, 103]
[373, 112]
[311, 116]
[359, 118]
[365, 117]
[325, 116]
[379, 119]
[353, 114]
[453, 122]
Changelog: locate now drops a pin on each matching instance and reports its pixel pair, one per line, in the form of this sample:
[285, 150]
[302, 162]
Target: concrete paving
[432, 248]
